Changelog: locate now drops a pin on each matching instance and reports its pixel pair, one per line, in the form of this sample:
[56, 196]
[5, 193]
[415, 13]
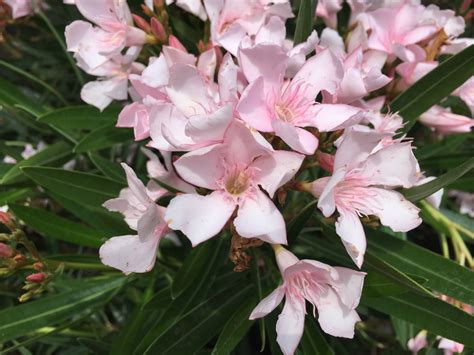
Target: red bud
[5, 251]
[175, 43]
[157, 29]
[141, 23]
[36, 278]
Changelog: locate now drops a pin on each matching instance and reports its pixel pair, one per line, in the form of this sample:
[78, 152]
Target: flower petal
[349, 286]
[297, 138]
[199, 217]
[258, 217]
[268, 304]
[349, 228]
[290, 326]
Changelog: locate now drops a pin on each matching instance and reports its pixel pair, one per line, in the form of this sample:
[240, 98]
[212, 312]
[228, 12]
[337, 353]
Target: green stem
[444, 245]
[63, 46]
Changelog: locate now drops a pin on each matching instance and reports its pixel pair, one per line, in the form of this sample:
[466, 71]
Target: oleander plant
[236, 177]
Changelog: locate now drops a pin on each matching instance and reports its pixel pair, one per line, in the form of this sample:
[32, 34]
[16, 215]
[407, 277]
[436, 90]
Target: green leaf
[432, 314]
[110, 169]
[50, 225]
[420, 192]
[24, 319]
[88, 189]
[54, 154]
[304, 21]
[12, 97]
[377, 285]
[201, 323]
[236, 327]
[441, 274]
[103, 137]
[13, 195]
[80, 117]
[194, 266]
[433, 87]
[313, 341]
[297, 224]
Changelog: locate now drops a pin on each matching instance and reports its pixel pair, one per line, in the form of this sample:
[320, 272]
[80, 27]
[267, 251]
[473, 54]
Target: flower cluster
[231, 130]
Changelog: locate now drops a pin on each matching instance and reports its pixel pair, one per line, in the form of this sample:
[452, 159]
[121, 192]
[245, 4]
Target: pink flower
[198, 112]
[466, 93]
[395, 28]
[465, 200]
[327, 10]
[36, 278]
[364, 172]
[334, 291]
[192, 6]
[272, 104]
[443, 121]
[20, 8]
[5, 250]
[234, 170]
[96, 45]
[165, 173]
[136, 253]
[450, 347]
[232, 20]
[113, 81]
[417, 343]
[452, 25]
[362, 69]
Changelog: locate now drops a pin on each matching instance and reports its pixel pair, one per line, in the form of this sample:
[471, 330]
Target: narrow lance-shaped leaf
[304, 21]
[420, 192]
[80, 117]
[103, 137]
[433, 87]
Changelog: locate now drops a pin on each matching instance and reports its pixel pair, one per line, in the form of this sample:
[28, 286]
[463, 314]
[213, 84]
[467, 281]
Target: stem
[444, 245]
[63, 46]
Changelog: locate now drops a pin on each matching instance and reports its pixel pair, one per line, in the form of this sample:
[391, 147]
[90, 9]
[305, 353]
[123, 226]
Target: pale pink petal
[168, 116]
[156, 74]
[334, 317]
[257, 217]
[327, 203]
[297, 138]
[129, 253]
[417, 343]
[264, 60]
[349, 286]
[349, 228]
[202, 167]
[101, 93]
[210, 127]
[199, 217]
[276, 169]
[322, 72]
[252, 107]
[352, 87]
[268, 304]
[136, 185]
[207, 63]
[290, 325]
[394, 210]
[450, 345]
[273, 31]
[419, 34]
[231, 38]
[330, 117]
[227, 80]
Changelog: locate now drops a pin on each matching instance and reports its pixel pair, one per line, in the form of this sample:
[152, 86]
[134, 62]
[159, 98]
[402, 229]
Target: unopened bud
[5, 218]
[159, 4]
[19, 258]
[326, 161]
[157, 29]
[175, 43]
[5, 251]
[201, 46]
[141, 23]
[36, 278]
[38, 266]
[147, 10]
[26, 296]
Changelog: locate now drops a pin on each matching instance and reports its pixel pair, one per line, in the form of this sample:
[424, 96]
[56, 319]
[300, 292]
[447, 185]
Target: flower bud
[38, 266]
[5, 251]
[284, 258]
[19, 258]
[141, 23]
[175, 43]
[157, 29]
[5, 218]
[326, 161]
[36, 278]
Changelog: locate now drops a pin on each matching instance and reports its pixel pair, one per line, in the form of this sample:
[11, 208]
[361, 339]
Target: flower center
[283, 113]
[237, 182]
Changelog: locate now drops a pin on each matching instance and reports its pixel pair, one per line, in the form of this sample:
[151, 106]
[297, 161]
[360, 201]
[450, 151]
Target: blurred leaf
[297, 224]
[24, 319]
[304, 21]
[12, 97]
[201, 323]
[429, 313]
[448, 144]
[420, 192]
[80, 117]
[103, 137]
[377, 285]
[313, 341]
[110, 169]
[84, 188]
[236, 326]
[194, 266]
[13, 195]
[51, 225]
[76, 261]
[433, 87]
[403, 330]
[95, 346]
[56, 153]
[461, 219]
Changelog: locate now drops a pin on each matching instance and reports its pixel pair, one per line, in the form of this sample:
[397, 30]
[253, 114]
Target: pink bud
[326, 161]
[36, 278]
[141, 23]
[175, 43]
[5, 251]
[5, 218]
[157, 29]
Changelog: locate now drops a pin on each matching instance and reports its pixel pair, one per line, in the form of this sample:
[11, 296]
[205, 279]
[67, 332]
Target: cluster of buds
[157, 28]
